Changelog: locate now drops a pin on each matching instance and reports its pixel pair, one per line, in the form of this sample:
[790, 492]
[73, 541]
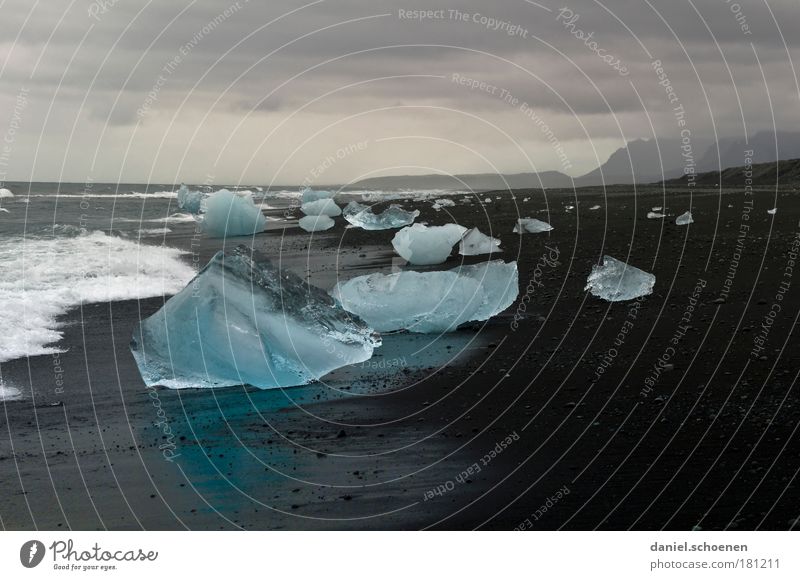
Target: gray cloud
[198, 85]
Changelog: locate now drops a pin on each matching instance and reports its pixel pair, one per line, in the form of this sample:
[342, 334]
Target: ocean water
[64, 245]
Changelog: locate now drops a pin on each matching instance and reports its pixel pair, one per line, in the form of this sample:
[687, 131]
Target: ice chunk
[244, 321]
[188, 200]
[569, 208]
[5, 192]
[684, 219]
[440, 203]
[772, 211]
[616, 281]
[424, 245]
[531, 226]
[652, 215]
[9, 393]
[526, 199]
[228, 214]
[316, 223]
[326, 207]
[474, 243]
[594, 207]
[657, 208]
[393, 217]
[431, 301]
[487, 200]
[310, 195]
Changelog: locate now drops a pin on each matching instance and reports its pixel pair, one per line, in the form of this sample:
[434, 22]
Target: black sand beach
[548, 416]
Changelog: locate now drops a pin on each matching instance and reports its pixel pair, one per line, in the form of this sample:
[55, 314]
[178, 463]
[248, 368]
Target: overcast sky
[336, 90]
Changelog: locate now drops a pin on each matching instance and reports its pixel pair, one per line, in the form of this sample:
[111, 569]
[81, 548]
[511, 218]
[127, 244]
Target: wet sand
[501, 425]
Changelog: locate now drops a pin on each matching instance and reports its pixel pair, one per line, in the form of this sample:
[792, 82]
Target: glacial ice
[324, 206]
[310, 195]
[316, 223]
[684, 219]
[652, 215]
[228, 214]
[429, 302]
[440, 203]
[393, 217]
[244, 321]
[531, 226]
[5, 192]
[188, 200]
[474, 243]
[424, 245]
[616, 281]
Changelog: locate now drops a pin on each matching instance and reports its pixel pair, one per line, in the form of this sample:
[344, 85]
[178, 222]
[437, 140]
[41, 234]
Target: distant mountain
[640, 161]
[767, 146]
[476, 181]
[764, 175]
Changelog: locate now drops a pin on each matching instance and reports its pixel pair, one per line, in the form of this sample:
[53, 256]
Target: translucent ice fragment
[531, 226]
[244, 321]
[393, 217]
[474, 243]
[431, 301]
[424, 245]
[616, 281]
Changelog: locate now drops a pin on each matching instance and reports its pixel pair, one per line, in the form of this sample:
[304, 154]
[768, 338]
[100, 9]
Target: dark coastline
[713, 444]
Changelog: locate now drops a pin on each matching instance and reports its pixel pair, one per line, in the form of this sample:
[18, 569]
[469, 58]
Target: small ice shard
[5, 192]
[188, 200]
[594, 208]
[684, 219]
[616, 281]
[430, 301]
[316, 223]
[652, 215]
[9, 393]
[228, 214]
[393, 217]
[531, 226]
[772, 211]
[569, 208]
[440, 203]
[325, 206]
[424, 245]
[474, 243]
[310, 195]
[658, 208]
[245, 321]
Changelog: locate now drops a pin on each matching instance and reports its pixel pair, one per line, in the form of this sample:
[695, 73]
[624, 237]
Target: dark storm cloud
[138, 64]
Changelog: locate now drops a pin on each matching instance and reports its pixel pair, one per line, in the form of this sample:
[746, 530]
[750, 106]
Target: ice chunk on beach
[424, 245]
[5, 192]
[189, 200]
[652, 215]
[684, 219]
[243, 320]
[325, 206]
[616, 281]
[316, 223]
[9, 393]
[228, 214]
[393, 217]
[431, 301]
[657, 208]
[594, 208]
[531, 226]
[487, 200]
[474, 243]
[772, 211]
[310, 195]
[440, 203]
